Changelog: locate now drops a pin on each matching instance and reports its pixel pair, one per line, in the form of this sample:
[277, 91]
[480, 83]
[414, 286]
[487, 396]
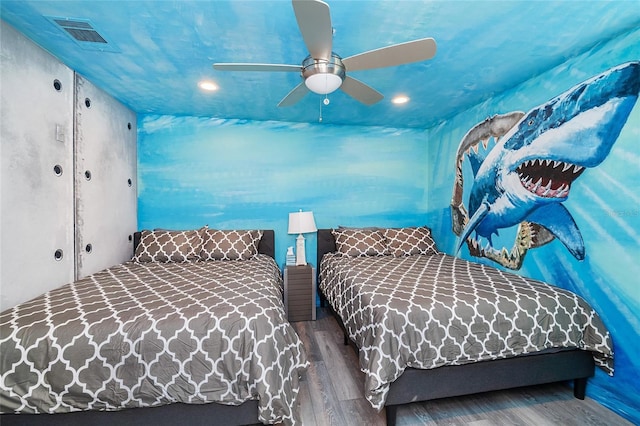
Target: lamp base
[301, 258]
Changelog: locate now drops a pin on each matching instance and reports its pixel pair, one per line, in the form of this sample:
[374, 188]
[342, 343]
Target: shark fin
[557, 219]
[477, 217]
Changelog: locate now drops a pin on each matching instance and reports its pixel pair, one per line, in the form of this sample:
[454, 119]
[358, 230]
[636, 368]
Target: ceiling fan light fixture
[323, 76]
[324, 83]
[323, 71]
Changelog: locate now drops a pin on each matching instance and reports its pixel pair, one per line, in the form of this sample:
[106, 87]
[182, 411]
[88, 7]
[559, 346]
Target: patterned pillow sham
[409, 241]
[355, 242]
[230, 245]
[165, 246]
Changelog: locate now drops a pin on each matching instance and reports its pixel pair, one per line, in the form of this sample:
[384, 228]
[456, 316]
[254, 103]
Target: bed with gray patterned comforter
[149, 334]
[427, 311]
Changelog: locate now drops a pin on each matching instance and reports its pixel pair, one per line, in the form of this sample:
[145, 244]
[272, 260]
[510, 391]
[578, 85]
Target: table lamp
[301, 223]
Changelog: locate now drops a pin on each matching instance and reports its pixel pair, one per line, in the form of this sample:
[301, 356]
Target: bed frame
[423, 385]
[165, 415]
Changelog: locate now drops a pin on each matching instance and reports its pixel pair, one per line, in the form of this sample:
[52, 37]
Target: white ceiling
[158, 51]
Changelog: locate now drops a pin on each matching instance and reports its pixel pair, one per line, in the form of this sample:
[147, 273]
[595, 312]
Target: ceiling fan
[323, 71]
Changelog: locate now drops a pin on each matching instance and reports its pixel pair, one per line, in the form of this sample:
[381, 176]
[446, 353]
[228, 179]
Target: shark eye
[531, 121]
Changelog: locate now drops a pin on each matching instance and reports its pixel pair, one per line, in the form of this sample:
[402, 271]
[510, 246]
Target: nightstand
[300, 292]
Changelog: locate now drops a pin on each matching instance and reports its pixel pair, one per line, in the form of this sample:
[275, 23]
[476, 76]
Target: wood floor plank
[326, 322]
[360, 412]
[531, 406]
[332, 394]
[306, 331]
[305, 406]
[346, 380]
[326, 406]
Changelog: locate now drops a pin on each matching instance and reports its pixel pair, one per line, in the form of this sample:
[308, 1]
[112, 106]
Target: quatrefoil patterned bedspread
[148, 334]
[426, 311]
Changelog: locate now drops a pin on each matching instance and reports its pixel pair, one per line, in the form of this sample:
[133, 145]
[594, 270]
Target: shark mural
[525, 177]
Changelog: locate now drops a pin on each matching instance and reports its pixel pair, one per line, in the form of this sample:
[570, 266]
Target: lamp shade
[323, 83]
[301, 223]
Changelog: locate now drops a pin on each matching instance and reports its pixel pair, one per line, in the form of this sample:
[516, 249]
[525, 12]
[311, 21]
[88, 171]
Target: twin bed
[192, 328]
[428, 325]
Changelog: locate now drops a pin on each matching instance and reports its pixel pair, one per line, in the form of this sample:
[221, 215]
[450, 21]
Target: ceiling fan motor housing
[323, 76]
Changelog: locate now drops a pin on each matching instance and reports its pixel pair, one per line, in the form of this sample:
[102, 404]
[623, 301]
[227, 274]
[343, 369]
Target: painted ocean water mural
[604, 205]
[524, 166]
[235, 174]
[239, 174]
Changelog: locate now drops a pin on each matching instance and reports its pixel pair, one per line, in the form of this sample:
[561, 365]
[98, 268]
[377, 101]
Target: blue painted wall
[237, 174]
[604, 202]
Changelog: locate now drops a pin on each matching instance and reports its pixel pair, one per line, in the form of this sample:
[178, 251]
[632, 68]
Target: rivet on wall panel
[87, 102]
[58, 254]
[129, 182]
[57, 85]
[88, 248]
[57, 169]
[87, 175]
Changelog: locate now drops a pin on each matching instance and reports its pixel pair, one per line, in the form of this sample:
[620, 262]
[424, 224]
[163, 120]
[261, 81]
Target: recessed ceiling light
[401, 99]
[209, 86]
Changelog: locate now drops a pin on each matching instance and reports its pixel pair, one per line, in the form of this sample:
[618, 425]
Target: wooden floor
[332, 394]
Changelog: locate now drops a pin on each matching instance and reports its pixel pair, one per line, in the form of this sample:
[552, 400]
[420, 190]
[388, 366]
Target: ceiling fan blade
[314, 21]
[256, 67]
[396, 54]
[294, 96]
[360, 91]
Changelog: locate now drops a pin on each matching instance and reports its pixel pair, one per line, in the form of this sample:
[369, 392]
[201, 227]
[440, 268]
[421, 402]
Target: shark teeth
[536, 186]
[563, 191]
[486, 143]
[548, 178]
[553, 164]
[509, 258]
[537, 162]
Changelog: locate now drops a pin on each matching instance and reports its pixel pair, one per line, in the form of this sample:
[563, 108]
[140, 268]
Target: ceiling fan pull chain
[324, 101]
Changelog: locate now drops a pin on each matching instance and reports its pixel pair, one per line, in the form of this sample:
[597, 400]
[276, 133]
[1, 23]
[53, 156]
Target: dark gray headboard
[267, 243]
[326, 244]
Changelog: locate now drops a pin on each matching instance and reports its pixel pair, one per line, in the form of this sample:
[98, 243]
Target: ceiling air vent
[83, 32]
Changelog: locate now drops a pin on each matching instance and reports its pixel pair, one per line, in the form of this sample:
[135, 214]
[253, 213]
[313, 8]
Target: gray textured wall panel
[36, 134]
[105, 152]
